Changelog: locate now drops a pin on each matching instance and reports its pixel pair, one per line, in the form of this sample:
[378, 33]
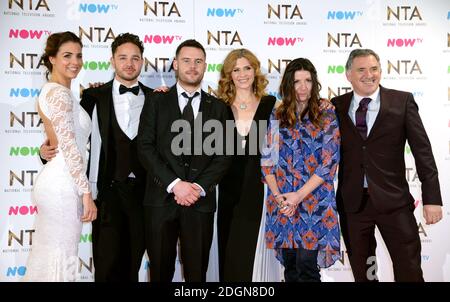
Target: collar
[116, 85]
[373, 96]
[180, 90]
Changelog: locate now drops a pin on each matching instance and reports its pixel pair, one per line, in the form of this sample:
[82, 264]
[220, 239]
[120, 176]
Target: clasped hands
[186, 193]
[288, 202]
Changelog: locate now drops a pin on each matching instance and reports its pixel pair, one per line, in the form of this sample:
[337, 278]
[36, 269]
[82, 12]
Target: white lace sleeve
[60, 106]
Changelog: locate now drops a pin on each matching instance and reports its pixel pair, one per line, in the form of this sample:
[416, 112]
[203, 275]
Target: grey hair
[364, 52]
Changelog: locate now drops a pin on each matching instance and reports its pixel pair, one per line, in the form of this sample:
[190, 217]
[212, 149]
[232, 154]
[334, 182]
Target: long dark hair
[286, 112]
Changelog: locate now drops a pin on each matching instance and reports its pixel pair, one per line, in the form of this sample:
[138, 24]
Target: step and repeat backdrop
[411, 37]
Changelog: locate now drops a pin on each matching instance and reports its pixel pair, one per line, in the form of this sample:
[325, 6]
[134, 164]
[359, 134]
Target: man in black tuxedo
[117, 178]
[375, 123]
[180, 195]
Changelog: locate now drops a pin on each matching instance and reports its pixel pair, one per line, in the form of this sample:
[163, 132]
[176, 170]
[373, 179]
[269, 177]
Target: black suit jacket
[381, 156]
[101, 97]
[163, 167]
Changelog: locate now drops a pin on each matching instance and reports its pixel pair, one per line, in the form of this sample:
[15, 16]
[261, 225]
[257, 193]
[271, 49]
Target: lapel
[104, 104]
[205, 110]
[345, 117]
[381, 114]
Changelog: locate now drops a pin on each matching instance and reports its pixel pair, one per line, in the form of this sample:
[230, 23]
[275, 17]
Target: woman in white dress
[61, 191]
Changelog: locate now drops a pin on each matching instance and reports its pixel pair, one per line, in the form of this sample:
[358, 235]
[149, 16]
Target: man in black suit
[180, 195]
[375, 123]
[115, 172]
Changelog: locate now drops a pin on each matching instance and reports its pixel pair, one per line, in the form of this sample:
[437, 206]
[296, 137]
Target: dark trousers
[164, 226]
[118, 233]
[400, 234]
[300, 265]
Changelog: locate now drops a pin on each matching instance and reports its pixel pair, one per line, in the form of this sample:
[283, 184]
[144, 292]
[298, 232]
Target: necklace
[242, 106]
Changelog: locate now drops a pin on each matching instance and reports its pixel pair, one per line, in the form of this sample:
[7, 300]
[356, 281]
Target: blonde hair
[226, 90]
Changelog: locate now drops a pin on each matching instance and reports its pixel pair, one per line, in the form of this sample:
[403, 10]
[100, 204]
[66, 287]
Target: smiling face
[127, 62]
[365, 75]
[303, 85]
[243, 74]
[67, 62]
[190, 66]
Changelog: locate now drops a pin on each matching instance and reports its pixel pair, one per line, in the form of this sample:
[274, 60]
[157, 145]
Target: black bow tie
[123, 89]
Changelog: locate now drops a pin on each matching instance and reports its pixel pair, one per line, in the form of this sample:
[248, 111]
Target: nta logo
[22, 210]
[349, 39]
[277, 64]
[96, 33]
[164, 39]
[284, 41]
[25, 178]
[32, 5]
[332, 92]
[27, 33]
[158, 64]
[343, 15]
[403, 42]
[20, 238]
[161, 8]
[290, 11]
[403, 13]
[222, 35]
[223, 12]
[97, 8]
[409, 67]
[27, 119]
[24, 92]
[25, 60]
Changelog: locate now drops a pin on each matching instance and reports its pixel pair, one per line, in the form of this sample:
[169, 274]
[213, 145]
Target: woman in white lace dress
[61, 191]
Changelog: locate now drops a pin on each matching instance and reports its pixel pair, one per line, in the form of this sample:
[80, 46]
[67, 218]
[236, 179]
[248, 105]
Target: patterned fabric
[360, 117]
[293, 156]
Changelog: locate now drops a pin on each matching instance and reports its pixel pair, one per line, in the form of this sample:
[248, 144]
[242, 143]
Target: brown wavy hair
[54, 42]
[286, 112]
[226, 90]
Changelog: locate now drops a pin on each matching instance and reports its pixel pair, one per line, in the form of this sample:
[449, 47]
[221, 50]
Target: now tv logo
[402, 42]
[343, 15]
[96, 65]
[96, 8]
[284, 41]
[22, 210]
[24, 92]
[223, 12]
[164, 39]
[16, 270]
[27, 33]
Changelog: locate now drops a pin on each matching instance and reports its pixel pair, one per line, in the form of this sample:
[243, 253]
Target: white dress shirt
[128, 108]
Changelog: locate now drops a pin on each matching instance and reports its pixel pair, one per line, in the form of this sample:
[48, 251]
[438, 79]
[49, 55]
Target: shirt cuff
[202, 193]
[172, 184]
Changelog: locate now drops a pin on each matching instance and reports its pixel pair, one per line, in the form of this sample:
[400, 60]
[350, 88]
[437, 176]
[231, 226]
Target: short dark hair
[54, 42]
[190, 43]
[360, 52]
[127, 38]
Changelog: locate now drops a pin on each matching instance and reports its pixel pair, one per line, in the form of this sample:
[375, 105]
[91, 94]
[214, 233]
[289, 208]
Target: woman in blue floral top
[299, 165]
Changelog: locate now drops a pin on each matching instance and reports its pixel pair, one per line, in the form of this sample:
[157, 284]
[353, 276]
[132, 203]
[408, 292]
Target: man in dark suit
[375, 123]
[180, 195]
[117, 178]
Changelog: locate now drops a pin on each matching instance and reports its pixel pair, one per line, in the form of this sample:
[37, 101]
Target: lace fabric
[57, 190]
[60, 113]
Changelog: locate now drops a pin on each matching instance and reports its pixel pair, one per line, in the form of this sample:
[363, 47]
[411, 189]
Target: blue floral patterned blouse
[293, 156]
